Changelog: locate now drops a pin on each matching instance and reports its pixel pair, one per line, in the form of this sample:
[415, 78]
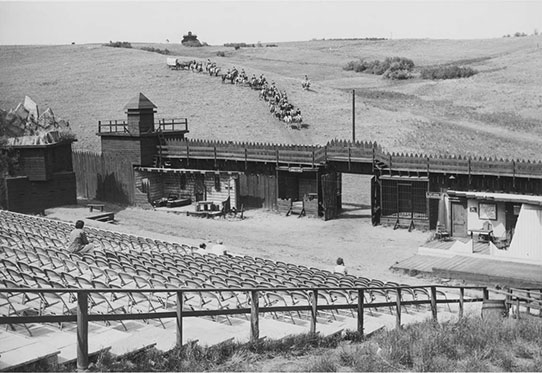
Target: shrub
[221, 54]
[156, 50]
[390, 68]
[239, 45]
[118, 44]
[322, 364]
[447, 72]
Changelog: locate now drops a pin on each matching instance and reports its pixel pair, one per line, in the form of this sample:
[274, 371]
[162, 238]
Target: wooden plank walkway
[479, 270]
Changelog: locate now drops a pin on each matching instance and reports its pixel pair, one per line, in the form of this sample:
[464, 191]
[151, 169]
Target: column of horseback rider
[279, 105]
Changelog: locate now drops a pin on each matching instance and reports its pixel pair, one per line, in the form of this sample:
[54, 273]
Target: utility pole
[353, 116]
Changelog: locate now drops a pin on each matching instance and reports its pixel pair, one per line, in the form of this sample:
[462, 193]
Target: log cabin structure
[43, 178]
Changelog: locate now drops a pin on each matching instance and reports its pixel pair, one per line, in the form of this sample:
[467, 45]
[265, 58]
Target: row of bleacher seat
[33, 255]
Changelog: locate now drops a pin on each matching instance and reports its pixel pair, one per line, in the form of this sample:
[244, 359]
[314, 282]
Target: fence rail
[342, 151]
[164, 125]
[83, 317]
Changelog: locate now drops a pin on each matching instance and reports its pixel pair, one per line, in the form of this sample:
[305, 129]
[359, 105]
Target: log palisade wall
[103, 177]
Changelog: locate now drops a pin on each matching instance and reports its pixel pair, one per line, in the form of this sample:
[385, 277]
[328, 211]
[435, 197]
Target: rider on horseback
[306, 84]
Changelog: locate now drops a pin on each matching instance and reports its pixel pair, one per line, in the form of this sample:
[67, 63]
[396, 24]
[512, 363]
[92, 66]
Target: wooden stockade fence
[345, 151]
[82, 316]
[103, 177]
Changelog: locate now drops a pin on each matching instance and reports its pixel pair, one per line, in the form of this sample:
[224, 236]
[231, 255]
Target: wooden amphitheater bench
[105, 217]
[97, 206]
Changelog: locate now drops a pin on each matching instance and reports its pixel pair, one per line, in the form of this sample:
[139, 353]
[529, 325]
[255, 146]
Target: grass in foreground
[470, 344]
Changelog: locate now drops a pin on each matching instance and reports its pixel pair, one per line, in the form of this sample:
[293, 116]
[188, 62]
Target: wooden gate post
[398, 310]
[461, 301]
[254, 321]
[180, 301]
[82, 330]
[314, 311]
[361, 299]
[434, 302]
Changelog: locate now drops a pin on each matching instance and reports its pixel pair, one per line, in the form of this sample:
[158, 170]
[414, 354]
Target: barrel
[494, 309]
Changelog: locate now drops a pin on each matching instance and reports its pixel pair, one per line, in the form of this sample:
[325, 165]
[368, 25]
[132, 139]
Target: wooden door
[199, 188]
[404, 200]
[459, 220]
[329, 196]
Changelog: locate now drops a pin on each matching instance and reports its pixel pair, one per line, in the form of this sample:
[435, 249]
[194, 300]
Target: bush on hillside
[447, 72]
[156, 50]
[390, 68]
[221, 54]
[239, 45]
[118, 44]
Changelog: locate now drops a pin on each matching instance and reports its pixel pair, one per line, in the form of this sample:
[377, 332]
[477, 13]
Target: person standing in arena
[77, 241]
[340, 267]
[219, 248]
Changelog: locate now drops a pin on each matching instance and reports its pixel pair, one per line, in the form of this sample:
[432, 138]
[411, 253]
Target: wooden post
[82, 330]
[214, 148]
[485, 293]
[353, 116]
[361, 299]
[508, 300]
[461, 301]
[517, 307]
[246, 158]
[528, 308]
[398, 310]
[314, 311]
[254, 321]
[180, 301]
[434, 302]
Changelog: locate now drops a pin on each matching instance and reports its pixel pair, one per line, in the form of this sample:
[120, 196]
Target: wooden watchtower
[136, 138]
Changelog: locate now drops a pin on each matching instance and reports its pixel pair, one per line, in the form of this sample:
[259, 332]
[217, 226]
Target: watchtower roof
[139, 102]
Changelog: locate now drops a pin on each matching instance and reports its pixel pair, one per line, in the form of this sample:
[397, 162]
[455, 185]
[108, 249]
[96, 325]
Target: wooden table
[93, 206]
[484, 234]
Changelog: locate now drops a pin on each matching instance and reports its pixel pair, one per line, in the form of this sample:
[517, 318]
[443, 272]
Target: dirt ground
[367, 251]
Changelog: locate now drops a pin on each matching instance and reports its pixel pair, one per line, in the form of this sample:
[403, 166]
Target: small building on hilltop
[191, 40]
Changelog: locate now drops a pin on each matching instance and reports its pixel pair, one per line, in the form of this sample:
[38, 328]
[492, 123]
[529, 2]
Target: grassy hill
[497, 112]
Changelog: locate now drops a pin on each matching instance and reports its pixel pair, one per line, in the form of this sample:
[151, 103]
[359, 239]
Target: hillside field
[497, 112]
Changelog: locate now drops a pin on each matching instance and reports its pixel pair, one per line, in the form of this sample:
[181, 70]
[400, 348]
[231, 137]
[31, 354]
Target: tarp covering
[24, 126]
[527, 240]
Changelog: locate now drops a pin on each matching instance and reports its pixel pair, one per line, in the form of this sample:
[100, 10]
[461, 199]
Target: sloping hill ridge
[494, 113]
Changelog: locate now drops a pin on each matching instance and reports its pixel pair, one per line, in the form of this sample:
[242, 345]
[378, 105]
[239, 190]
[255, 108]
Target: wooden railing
[244, 152]
[83, 317]
[345, 151]
[113, 126]
[164, 125]
[517, 299]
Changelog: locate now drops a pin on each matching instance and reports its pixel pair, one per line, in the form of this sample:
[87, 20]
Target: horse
[184, 65]
[214, 70]
[230, 76]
